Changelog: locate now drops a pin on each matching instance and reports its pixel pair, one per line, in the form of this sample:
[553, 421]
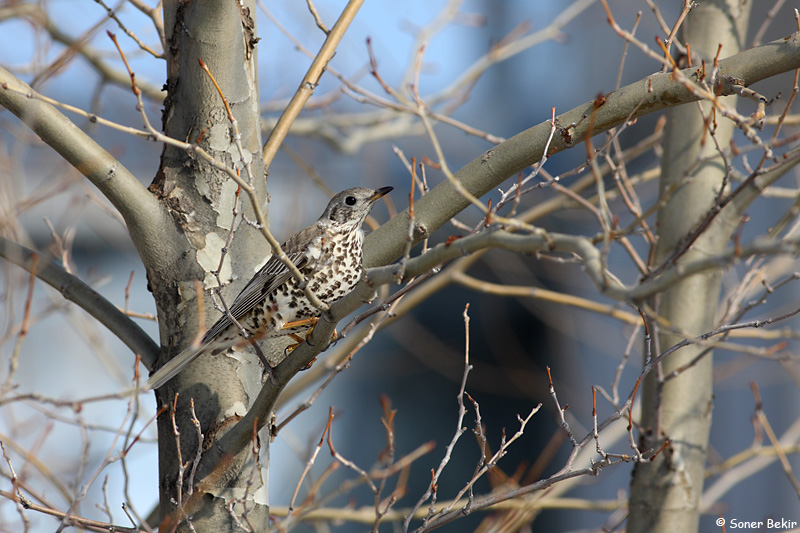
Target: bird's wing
[271, 275]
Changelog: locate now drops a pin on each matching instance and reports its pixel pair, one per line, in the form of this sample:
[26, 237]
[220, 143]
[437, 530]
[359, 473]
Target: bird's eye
[350, 200]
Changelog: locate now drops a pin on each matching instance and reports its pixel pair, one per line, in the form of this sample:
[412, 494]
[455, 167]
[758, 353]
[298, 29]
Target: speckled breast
[335, 272]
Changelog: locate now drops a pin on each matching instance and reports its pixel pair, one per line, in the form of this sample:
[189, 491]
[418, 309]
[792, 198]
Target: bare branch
[148, 222]
[310, 81]
[658, 91]
[76, 291]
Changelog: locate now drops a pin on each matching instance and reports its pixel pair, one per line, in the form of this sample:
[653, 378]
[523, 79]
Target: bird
[329, 255]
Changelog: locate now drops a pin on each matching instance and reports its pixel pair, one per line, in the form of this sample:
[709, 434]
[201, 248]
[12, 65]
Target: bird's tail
[174, 365]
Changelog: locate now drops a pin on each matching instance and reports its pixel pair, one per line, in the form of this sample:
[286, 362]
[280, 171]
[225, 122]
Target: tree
[202, 228]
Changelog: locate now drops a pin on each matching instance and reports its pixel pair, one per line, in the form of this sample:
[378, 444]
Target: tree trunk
[203, 202]
[665, 493]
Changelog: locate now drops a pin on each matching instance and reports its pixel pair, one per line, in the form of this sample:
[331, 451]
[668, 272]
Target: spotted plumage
[327, 253]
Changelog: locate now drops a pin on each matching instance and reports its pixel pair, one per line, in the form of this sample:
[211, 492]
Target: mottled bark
[201, 200]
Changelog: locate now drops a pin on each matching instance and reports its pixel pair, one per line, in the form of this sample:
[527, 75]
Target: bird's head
[351, 207]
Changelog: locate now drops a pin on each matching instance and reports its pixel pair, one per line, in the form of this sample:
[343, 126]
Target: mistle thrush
[327, 253]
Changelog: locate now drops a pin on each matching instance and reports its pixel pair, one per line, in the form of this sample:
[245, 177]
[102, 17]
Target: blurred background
[418, 363]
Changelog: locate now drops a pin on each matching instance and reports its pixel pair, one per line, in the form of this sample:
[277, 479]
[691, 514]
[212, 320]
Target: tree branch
[78, 292]
[481, 175]
[147, 220]
[310, 81]
[37, 15]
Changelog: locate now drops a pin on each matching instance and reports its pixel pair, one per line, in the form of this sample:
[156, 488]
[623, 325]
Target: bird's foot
[311, 322]
[306, 322]
[298, 340]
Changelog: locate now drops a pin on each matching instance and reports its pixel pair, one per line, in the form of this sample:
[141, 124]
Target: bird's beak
[381, 192]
